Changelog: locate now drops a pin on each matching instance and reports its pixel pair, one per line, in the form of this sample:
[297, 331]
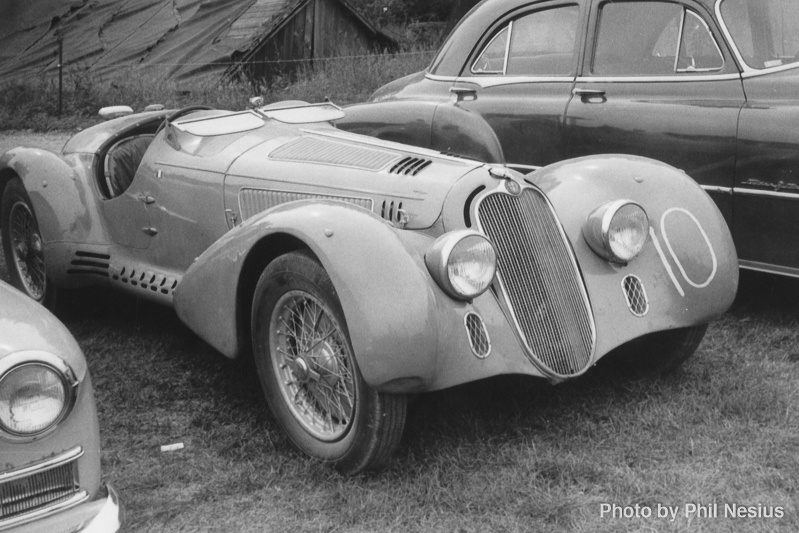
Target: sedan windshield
[765, 32]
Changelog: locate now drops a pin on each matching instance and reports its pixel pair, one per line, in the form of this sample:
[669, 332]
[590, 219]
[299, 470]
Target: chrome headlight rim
[438, 258]
[53, 363]
[597, 228]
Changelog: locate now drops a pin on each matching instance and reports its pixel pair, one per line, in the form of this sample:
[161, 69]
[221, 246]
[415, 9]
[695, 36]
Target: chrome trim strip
[659, 79]
[437, 77]
[769, 269]
[77, 499]
[716, 188]
[490, 80]
[62, 459]
[770, 194]
[523, 168]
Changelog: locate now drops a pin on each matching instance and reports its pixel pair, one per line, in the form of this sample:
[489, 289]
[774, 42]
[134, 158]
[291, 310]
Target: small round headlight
[463, 263]
[33, 397]
[617, 230]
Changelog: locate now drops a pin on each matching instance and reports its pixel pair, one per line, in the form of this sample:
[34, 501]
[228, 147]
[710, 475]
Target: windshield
[765, 32]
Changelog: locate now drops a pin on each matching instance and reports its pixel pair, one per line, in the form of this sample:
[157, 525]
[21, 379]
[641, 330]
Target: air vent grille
[635, 295]
[410, 166]
[327, 152]
[254, 201]
[90, 263]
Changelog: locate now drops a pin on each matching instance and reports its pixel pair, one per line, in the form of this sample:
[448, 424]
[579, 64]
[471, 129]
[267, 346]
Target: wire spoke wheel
[313, 363]
[26, 246]
[309, 373]
[23, 246]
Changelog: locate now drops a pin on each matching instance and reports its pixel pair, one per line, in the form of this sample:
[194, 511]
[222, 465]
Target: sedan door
[520, 77]
[658, 81]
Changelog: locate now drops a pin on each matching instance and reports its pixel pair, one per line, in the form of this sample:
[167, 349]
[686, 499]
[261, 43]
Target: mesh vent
[410, 166]
[478, 335]
[313, 150]
[540, 280]
[635, 294]
[254, 201]
[38, 490]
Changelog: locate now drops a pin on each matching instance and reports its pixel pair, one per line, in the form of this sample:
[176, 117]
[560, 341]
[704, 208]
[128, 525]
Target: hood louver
[410, 166]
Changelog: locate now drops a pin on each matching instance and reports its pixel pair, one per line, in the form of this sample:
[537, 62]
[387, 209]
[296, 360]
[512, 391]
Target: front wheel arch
[259, 257]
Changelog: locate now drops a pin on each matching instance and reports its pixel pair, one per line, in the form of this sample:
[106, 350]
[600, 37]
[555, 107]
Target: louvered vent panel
[324, 151]
[410, 166]
[254, 201]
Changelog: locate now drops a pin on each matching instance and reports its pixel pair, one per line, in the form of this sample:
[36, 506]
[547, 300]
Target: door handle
[464, 93]
[577, 91]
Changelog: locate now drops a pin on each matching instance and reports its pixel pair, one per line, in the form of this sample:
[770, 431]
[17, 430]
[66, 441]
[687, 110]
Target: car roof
[464, 36]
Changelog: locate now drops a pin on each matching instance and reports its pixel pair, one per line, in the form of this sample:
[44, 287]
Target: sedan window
[653, 39]
[537, 44]
[766, 32]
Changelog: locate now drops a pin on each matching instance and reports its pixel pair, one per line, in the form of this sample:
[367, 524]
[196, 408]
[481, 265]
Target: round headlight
[617, 230]
[33, 397]
[463, 263]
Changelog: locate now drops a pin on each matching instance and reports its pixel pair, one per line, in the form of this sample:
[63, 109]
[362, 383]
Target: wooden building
[287, 33]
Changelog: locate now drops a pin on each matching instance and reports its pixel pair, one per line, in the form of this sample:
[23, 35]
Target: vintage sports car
[708, 86]
[358, 271]
[49, 435]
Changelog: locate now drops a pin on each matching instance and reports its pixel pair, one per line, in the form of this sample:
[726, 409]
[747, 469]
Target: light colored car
[49, 434]
[358, 271]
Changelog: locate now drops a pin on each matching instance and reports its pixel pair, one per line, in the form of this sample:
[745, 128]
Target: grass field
[507, 454]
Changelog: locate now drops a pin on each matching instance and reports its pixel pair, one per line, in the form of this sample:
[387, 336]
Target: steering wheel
[179, 113]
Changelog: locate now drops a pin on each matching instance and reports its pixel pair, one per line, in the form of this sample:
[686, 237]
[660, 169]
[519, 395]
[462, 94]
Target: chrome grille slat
[37, 490]
[539, 278]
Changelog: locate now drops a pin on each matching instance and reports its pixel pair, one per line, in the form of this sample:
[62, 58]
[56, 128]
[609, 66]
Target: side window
[537, 44]
[653, 39]
[765, 31]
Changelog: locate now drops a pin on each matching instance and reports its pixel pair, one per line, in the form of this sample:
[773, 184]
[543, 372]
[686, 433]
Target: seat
[122, 161]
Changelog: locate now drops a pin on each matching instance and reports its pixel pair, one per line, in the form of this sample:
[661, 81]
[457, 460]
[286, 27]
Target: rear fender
[380, 279]
[59, 188]
[441, 126]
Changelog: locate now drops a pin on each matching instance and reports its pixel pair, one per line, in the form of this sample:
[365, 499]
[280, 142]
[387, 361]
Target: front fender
[381, 281]
[689, 267]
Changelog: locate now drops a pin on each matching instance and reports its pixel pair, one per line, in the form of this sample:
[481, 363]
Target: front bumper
[103, 514]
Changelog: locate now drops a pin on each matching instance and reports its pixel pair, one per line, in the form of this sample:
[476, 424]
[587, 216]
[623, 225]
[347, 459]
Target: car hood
[27, 326]
[331, 163]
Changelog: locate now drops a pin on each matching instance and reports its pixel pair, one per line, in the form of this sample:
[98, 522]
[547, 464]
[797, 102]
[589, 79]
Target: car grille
[38, 490]
[540, 280]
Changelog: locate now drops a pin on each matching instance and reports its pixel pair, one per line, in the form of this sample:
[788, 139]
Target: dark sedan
[709, 86]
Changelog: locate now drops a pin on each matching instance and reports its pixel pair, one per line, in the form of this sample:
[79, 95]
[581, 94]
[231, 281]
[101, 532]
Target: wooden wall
[319, 29]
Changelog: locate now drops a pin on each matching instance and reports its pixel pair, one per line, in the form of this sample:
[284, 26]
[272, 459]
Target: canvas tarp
[178, 39]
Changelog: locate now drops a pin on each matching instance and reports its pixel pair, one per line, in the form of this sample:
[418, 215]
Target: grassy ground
[508, 454]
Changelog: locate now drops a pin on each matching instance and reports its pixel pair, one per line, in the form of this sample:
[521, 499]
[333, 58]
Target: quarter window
[537, 44]
[653, 39]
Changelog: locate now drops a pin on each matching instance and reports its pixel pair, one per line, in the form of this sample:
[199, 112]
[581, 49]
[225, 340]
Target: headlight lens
[33, 397]
[463, 263]
[617, 230]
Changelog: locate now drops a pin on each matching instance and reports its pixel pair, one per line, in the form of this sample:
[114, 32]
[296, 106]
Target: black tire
[23, 247]
[305, 364]
[658, 353]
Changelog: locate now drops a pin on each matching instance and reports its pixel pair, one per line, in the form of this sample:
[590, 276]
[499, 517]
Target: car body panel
[222, 194]
[728, 125]
[27, 331]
